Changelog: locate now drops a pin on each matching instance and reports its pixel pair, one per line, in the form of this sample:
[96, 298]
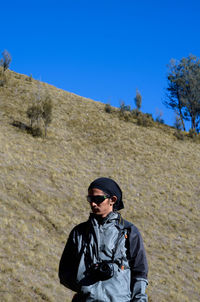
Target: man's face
[104, 208]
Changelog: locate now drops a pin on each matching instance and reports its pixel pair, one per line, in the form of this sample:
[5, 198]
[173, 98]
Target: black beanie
[110, 187]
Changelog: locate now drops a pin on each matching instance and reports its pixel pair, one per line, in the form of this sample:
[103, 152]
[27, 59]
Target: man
[104, 259]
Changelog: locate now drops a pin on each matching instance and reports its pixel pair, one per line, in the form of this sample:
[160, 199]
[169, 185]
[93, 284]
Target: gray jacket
[114, 241]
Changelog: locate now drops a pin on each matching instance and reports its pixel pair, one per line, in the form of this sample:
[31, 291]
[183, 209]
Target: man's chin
[95, 211]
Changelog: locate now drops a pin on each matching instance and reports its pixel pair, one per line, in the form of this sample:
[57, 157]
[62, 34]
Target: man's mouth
[94, 209]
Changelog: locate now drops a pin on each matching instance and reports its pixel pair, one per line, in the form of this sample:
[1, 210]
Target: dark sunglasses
[97, 198]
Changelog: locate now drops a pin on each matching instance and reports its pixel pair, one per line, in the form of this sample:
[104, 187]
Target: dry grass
[44, 182]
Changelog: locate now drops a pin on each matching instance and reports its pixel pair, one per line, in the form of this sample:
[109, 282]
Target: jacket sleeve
[138, 292]
[69, 264]
[139, 266]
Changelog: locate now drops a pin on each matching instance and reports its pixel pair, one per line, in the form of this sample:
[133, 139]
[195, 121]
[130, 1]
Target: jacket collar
[102, 220]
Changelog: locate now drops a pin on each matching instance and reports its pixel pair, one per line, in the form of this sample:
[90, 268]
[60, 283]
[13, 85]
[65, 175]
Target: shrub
[145, 120]
[108, 108]
[135, 113]
[138, 100]
[159, 118]
[40, 112]
[47, 113]
[6, 60]
[124, 108]
[149, 115]
[34, 113]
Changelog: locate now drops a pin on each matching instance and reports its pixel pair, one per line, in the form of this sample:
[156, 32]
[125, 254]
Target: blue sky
[103, 50]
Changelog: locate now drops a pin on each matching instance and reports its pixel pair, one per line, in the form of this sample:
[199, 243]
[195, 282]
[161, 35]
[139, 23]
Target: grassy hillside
[43, 184]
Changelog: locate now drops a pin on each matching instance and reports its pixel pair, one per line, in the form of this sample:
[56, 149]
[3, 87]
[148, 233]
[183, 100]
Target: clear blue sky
[103, 50]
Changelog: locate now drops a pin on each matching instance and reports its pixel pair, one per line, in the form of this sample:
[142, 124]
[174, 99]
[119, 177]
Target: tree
[6, 60]
[138, 100]
[183, 92]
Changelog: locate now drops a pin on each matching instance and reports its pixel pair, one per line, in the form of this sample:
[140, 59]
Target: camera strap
[120, 234]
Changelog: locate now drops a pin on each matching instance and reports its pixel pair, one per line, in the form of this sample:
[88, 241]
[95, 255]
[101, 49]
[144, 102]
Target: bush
[149, 115]
[6, 60]
[159, 120]
[124, 108]
[108, 108]
[135, 113]
[138, 100]
[40, 114]
[34, 113]
[47, 113]
[145, 120]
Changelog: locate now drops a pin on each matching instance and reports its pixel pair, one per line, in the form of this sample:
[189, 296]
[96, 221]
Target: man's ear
[113, 199]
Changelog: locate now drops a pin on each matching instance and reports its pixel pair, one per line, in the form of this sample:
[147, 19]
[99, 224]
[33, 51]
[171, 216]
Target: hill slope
[43, 184]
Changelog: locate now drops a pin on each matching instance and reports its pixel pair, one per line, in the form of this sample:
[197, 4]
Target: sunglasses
[97, 198]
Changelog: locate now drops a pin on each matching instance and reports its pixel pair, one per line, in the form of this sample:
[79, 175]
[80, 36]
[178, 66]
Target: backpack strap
[122, 228]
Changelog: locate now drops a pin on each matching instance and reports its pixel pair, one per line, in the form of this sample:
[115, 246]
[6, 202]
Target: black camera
[102, 270]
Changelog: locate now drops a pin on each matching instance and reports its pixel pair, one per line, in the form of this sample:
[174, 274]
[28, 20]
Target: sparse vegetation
[159, 117]
[145, 120]
[134, 116]
[124, 108]
[138, 100]
[40, 110]
[108, 108]
[47, 113]
[34, 113]
[43, 188]
[6, 60]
